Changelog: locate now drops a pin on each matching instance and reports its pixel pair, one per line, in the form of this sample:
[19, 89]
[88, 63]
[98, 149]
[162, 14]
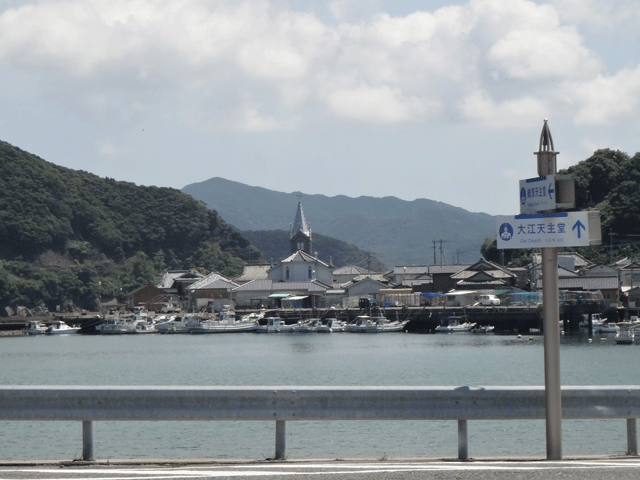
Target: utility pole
[434, 252]
[551, 311]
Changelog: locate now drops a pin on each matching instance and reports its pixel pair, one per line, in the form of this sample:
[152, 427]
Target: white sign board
[538, 194]
[562, 229]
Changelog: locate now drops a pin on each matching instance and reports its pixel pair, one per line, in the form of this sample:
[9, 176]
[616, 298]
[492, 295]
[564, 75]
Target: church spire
[299, 232]
[300, 223]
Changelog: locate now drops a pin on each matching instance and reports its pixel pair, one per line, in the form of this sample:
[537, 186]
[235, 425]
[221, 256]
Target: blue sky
[431, 99]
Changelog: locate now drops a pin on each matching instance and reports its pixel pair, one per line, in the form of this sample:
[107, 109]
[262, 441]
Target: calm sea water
[300, 360]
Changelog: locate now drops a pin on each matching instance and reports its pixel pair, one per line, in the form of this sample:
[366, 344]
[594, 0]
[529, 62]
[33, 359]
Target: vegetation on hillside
[608, 182]
[68, 235]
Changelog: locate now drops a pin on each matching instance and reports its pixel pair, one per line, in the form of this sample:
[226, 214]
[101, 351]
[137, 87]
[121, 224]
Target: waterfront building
[211, 293]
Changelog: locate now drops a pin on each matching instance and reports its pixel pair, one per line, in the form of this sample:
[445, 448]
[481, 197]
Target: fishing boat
[34, 328]
[115, 326]
[274, 325]
[455, 325]
[607, 327]
[480, 329]
[178, 325]
[333, 325]
[374, 324]
[61, 328]
[309, 326]
[626, 333]
[226, 323]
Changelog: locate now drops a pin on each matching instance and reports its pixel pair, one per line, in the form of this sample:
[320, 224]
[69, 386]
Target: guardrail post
[281, 441]
[632, 437]
[463, 441]
[87, 440]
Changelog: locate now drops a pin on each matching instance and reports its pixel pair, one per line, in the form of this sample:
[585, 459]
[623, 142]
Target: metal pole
[632, 437]
[551, 310]
[463, 440]
[281, 440]
[87, 440]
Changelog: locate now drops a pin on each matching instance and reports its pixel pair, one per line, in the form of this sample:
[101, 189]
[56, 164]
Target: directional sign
[563, 229]
[538, 194]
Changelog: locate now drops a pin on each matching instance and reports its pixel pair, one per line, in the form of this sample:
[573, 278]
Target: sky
[442, 100]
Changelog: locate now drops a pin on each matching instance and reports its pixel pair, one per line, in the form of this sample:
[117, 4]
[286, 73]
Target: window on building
[310, 273]
[287, 273]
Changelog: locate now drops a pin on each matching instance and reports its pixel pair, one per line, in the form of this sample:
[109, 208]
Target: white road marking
[217, 471]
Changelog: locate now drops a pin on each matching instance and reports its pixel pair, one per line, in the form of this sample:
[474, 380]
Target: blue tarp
[431, 294]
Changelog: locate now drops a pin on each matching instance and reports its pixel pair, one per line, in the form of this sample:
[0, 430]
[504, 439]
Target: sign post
[548, 230]
[551, 316]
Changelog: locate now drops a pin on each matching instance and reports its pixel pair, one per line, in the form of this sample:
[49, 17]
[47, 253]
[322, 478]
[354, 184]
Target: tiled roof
[301, 256]
[252, 272]
[271, 286]
[585, 283]
[212, 281]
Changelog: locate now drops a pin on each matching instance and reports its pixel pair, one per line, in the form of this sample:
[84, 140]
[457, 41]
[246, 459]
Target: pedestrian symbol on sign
[506, 232]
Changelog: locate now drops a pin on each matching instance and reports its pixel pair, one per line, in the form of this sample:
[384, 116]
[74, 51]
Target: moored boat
[626, 333]
[374, 324]
[61, 328]
[333, 325]
[454, 325]
[34, 328]
[274, 325]
[226, 324]
[115, 326]
[480, 329]
[178, 325]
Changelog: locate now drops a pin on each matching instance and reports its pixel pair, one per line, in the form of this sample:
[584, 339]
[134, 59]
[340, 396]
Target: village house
[210, 293]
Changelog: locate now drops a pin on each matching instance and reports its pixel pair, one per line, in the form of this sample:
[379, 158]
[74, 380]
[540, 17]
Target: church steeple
[299, 232]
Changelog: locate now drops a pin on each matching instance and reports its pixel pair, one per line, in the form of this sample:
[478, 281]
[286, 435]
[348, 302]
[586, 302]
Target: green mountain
[395, 231]
[68, 235]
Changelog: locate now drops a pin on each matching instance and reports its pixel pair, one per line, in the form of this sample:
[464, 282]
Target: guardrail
[281, 404]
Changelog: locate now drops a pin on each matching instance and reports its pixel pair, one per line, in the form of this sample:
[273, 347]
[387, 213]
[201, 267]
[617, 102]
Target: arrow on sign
[578, 225]
[551, 190]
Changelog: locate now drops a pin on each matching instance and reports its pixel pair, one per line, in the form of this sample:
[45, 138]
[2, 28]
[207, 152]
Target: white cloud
[107, 149]
[606, 100]
[534, 54]
[483, 110]
[374, 105]
[259, 67]
[599, 14]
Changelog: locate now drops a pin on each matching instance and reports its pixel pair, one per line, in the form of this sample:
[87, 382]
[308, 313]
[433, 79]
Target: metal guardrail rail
[281, 404]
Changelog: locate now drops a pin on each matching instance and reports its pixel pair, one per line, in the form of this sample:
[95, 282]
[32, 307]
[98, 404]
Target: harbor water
[343, 359]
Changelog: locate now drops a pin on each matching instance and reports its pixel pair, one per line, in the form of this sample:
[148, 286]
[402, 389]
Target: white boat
[61, 328]
[596, 321]
[34, 328]
[310, 326]
[115, 326]
[274, 325]
[626, 333]
[374, 324]
[483, 329]
[226, 324]
[607, 327]
[178, 325]
[454, 325]
[333, 325]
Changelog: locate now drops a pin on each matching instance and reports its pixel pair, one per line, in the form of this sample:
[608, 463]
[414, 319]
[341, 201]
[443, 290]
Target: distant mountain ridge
[398, 232]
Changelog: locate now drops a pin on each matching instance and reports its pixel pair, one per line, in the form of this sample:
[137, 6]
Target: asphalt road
[619, 468]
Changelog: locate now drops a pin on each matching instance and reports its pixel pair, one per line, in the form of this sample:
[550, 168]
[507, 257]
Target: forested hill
[115, 235]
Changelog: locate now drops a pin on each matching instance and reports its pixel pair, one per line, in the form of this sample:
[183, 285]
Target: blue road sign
[562, 229]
